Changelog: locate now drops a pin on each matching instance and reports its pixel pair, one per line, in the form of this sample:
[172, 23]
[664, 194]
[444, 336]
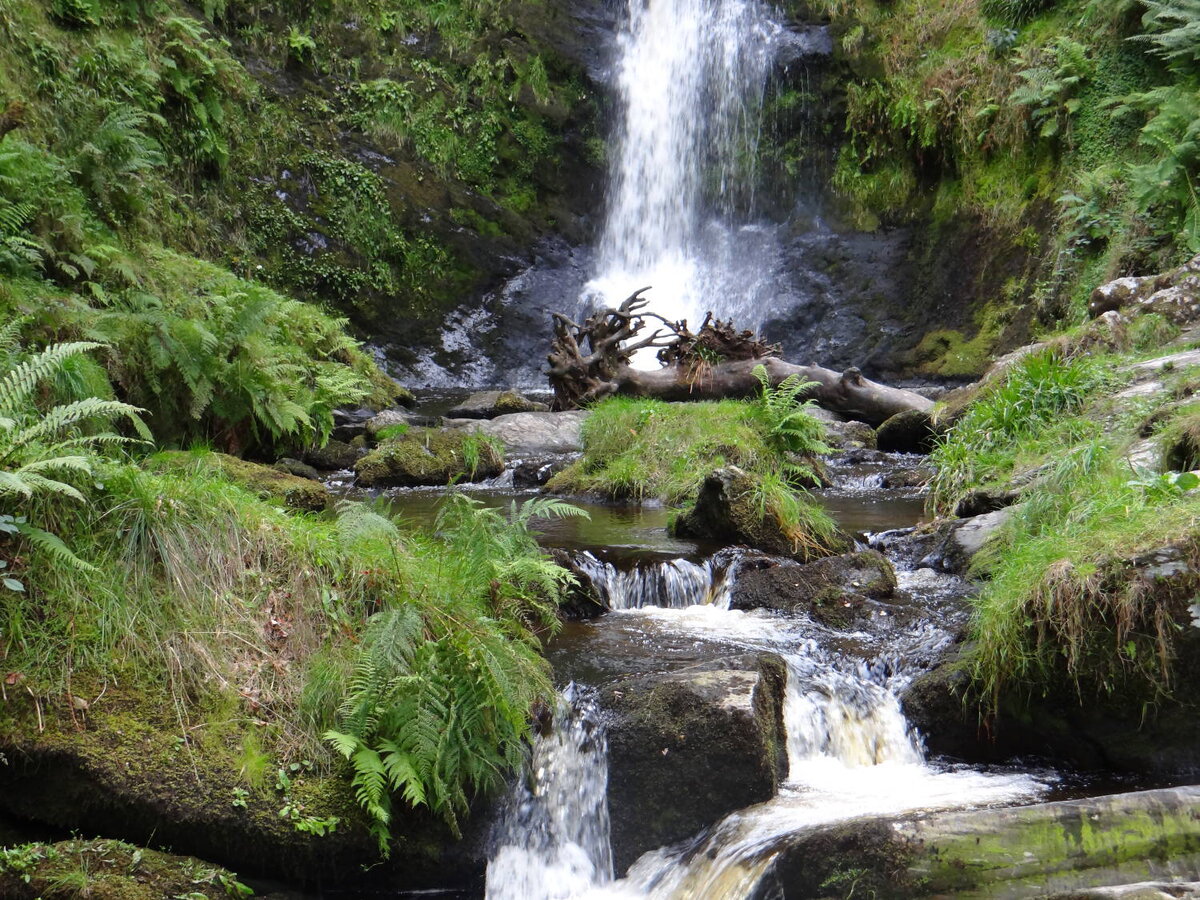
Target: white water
[670, 584]
[552, 841]
[850, 754]
[690, 76]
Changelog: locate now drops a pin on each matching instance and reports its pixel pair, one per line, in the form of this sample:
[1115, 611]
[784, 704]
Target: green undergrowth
[197, 591]
[636, 449]
[1100, 480]
[1064, 129]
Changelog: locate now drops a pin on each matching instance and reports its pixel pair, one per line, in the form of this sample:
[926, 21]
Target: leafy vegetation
[646, 449]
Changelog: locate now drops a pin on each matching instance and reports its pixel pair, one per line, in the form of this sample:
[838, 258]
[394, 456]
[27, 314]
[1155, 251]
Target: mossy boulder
[430, 456]
[1028, 851]
[296, 467]
[266, 482]
[109, 870]
[688, 748]
[832, 590]
[727, 510]
[912, 431]
[125, 768]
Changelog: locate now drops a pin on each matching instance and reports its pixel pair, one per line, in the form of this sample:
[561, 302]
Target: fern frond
[17, 386]
[53, 546]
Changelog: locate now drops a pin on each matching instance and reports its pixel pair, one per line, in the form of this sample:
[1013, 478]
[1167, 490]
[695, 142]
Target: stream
[850, 752]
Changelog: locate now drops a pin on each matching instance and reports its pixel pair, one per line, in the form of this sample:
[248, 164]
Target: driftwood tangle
[590, 361]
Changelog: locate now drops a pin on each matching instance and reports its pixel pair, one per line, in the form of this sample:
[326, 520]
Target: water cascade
[670, 584]
[552, 839]
[690, 77]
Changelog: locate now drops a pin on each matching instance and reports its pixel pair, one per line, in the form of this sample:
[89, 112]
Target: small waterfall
[670, 584]
[552, 841]
[690, 75]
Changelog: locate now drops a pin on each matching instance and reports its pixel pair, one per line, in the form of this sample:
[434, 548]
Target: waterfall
[690, 76]
[552, 840]
[669, 584]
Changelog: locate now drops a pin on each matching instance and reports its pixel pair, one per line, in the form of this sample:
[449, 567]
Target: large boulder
[1028, 851]
[687, 748]
[539, 434]
[727, 511]
[490, 404]
[832, 590]
[429, 456]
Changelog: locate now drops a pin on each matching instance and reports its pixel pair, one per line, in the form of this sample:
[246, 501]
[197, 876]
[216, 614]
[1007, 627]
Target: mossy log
[715, 363]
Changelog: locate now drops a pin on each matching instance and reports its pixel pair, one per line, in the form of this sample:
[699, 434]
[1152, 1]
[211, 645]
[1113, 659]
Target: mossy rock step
[1030, 851]
[266, 482]
[430, 456]
[123, 769]
[109, 870]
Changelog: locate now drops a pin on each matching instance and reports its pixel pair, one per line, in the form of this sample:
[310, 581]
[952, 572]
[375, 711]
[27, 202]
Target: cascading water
[552, 840]
[690, 76]
[851, 753]
[670, 584]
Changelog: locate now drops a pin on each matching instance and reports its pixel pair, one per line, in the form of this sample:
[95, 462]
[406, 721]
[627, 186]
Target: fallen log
[713, 364]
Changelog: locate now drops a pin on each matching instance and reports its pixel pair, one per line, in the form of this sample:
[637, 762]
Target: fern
[1175, 27]
[790, 428]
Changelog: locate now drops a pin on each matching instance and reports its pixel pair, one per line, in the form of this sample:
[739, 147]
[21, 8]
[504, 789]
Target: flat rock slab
[531, 433]
[1041, 850]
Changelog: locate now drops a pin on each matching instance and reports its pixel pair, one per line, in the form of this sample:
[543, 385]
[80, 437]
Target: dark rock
[297, 468]
[985, 500]
[333, 456]
[530, 473]
[899, 479]
[490, 404]
[688, 748]
[726, 512]
[429, 457]
[350, 423]
[583, 599]
[834, 590]
[911, 431]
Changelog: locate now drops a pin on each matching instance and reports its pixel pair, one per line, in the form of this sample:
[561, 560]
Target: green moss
[429, 456]
[263, 481]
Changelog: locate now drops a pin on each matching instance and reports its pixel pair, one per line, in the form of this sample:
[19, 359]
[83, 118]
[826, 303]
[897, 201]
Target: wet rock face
[726, 512]
[830, 590]
[688, 748]
[948, 545]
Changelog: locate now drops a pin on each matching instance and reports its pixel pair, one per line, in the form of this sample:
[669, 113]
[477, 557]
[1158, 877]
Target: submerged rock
[427, 456]
[727, 511]
[687, 748]
[1025, 851]
[490, 404]
[832, 590]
